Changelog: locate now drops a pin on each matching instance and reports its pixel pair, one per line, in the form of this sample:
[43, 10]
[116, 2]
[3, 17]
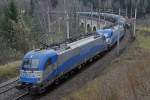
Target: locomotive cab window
[26, 63]
[30, 63]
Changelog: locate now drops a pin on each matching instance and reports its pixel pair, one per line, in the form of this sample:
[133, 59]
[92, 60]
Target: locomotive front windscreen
[30, 63]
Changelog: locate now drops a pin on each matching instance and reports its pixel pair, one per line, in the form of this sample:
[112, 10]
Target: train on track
[40, 68]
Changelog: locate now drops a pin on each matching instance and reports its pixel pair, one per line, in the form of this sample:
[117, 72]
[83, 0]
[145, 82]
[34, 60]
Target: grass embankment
[9, 70]
[126, 78]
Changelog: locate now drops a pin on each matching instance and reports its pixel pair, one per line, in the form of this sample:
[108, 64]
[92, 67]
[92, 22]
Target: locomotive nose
[33, 77]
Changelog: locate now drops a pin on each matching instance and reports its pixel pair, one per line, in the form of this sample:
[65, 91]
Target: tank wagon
[40, 68]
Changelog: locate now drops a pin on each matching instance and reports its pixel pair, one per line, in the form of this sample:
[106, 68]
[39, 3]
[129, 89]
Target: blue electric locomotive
[112, 34]
[41, 67]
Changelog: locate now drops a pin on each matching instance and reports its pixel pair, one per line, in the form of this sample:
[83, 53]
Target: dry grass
[144, 29]
[9, 70]
[126, 79]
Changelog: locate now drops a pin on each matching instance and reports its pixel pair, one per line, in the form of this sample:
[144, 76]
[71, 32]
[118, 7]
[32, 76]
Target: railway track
[7, 86]
[21, 96]
[8, 91]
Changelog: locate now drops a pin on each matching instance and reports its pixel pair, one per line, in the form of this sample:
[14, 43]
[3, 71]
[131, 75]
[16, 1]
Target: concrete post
[67, 22]
[118, 38]
[85, 25]
[91, 16]
[119, 12]
[126, 12]
[49, 21]
[99, 20]
[131, 13]
[134, 32]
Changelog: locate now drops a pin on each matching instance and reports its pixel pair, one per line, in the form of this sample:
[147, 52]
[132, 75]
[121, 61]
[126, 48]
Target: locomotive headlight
[108, 40]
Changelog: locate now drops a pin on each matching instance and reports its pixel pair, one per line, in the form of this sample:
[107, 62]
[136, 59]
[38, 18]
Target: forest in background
[23, 22]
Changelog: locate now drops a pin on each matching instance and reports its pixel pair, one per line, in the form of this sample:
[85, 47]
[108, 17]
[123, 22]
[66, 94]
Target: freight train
[40, 68]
